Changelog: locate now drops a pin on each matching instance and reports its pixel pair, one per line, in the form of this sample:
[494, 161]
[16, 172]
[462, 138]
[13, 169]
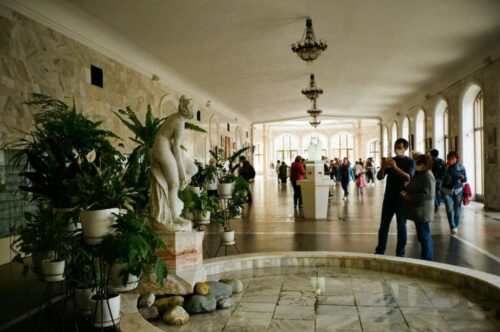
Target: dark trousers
[345, 186]
[297, 193]
[392, 205]
[437, 199]
[425, 239]
[369, 176]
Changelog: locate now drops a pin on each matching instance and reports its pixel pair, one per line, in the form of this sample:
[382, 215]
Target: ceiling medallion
[315, 122]
[314, 111]
[308, 49]
[312, 92]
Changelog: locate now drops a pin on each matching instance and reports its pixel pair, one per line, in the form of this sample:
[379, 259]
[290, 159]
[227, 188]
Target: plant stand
[47, 301]
[224, 203]
[226, 245]
[199, 228]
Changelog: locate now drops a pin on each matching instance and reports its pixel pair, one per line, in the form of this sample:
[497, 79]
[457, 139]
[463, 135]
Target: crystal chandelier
[312, 92]
[314, 111]
[308, 49]
[315, 122]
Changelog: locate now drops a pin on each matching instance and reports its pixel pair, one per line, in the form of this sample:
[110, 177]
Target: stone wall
[488, 79]
[34, 58]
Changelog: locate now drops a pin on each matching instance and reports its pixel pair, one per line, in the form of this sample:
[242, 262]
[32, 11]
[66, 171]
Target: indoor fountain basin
[334, 291]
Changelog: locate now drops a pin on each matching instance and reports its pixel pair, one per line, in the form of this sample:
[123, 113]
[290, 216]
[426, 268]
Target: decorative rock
[201, 288]
[219, 289]
[225, 303]
[235, 284]
[146, 300]
[166, 302]
[198, 304]
[176, 316]
[150, 313]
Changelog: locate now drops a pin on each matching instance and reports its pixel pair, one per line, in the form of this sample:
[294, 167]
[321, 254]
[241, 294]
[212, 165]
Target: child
[360, 184]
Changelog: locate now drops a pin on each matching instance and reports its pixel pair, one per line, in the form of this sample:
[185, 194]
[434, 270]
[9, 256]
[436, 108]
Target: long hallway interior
[271, 224]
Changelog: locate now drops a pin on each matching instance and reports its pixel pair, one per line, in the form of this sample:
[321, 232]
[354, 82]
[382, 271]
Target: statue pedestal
[315, 191]
[184, 259]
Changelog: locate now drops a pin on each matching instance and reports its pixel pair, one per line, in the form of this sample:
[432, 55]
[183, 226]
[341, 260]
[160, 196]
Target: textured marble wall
[34, 58]
[488, 78]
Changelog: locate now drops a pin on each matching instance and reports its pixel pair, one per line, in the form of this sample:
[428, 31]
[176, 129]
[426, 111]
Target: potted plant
[226, 184]
[100, 190]
[131, 251]
[42, 235]
[203, 206]
[48, 151]
[198, 179]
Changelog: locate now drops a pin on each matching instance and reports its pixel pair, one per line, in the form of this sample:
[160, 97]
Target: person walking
[452, 189]
[283, 172]
[278, 164]
[345, 175]
[247, 173]
[438, 172]
[212, 178]
[369, 167]
[419, 197]
[399, 171]
[297, 172]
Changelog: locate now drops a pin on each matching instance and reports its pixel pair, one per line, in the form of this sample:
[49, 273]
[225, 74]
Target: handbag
[467, 194]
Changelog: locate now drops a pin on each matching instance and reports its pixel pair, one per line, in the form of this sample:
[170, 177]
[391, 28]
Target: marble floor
[284, 299]
[272, 224]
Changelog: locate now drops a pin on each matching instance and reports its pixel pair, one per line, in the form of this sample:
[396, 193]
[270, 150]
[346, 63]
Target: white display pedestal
[315, 191]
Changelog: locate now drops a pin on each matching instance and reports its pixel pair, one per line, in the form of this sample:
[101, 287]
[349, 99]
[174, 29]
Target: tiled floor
[283, 299]
[272, 224]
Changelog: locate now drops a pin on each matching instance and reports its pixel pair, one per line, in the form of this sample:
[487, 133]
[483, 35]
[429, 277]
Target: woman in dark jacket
[419, 197]
[283, 172]
[454, 178]
[345, 175]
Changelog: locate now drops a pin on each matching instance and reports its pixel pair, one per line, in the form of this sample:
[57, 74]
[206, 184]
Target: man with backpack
[247, 172]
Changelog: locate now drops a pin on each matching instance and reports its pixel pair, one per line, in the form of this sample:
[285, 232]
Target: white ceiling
[381, 54]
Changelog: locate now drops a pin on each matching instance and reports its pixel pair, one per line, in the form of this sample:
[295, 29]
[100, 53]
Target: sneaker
[454, 231]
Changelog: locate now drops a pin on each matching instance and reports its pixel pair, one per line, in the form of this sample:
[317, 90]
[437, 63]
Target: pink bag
[360, 182]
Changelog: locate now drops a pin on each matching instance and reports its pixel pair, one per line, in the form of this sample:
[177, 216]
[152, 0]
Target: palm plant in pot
[50, 151]
[42, 236]
[131, 251]
[100, 190]
[226, 184]
[198, 179]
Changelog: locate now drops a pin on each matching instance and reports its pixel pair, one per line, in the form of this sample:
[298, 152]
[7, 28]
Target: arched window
[286, 148]
[394, 136]
[405, 129]
[478, 143]
[420, 131]
[342, 145]
[385, 141]
[321, 138]
[258, 156]
[472, 138]
[441, 134]
[374, 150]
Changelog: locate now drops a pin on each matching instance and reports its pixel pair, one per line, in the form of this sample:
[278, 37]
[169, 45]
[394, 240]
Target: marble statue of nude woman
[171, 170]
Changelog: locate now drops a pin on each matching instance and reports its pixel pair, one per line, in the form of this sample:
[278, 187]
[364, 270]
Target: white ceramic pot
[116, 281]
[103, 315]
[201, 218]
[227, 236]
[53, 270]
[96, 224]
[225, 189]
[82, 300]
[196, 190]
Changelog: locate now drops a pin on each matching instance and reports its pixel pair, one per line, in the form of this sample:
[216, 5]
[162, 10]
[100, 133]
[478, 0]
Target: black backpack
[251, 172]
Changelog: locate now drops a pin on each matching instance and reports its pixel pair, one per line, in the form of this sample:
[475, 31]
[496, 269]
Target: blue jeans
[437, 199]
[425, 239]
[453, 205]
[392, 205]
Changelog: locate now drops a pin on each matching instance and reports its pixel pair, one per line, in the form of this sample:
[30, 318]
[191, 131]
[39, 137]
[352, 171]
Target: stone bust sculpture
[171, 170]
